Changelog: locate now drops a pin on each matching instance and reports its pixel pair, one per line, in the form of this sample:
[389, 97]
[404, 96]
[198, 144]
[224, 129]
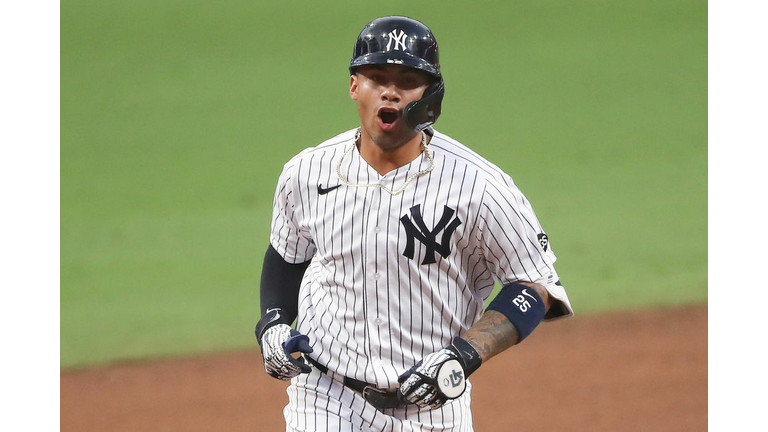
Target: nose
[390, 93]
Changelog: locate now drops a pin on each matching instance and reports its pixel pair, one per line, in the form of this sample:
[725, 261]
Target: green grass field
[176, 118]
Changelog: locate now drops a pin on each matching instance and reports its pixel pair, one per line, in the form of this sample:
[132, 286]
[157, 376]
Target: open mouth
[388, 115]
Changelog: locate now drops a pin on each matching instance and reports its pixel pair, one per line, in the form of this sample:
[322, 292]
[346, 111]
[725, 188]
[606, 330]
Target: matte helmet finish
[404, 41]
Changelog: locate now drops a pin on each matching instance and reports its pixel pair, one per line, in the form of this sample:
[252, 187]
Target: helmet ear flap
[423, 113]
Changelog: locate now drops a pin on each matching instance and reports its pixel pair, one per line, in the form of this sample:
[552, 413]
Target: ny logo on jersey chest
[416, 229]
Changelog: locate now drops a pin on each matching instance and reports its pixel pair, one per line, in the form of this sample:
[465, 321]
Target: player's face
[381, 92]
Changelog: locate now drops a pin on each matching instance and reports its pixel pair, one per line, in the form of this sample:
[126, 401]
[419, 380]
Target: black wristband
[271, 318]
[467, 355]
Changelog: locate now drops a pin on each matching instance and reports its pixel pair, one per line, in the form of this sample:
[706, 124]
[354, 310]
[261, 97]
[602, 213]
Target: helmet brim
[394, 57]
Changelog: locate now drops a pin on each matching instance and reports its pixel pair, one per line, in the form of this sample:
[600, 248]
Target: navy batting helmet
[404, 41]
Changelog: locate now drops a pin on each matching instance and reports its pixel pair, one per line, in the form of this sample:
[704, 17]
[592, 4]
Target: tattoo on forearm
[492, 334]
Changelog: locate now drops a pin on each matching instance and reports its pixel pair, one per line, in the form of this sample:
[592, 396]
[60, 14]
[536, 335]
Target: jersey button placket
[374, 274]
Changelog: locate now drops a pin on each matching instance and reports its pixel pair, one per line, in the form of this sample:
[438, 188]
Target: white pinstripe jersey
[394, 278]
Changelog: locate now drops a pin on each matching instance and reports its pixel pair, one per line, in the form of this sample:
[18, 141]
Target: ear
[353, 87]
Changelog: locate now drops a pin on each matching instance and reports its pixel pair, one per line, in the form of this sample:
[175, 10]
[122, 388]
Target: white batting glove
[277, 344]
[440, 376]
[419, 384]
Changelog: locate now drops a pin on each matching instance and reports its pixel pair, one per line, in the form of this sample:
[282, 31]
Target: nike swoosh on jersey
[322, 191]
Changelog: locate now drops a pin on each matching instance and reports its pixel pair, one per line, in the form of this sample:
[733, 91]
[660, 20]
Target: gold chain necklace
[425, 151]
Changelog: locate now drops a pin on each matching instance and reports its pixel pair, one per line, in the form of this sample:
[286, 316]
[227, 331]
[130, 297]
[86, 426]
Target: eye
[410, 81]
[377, 78]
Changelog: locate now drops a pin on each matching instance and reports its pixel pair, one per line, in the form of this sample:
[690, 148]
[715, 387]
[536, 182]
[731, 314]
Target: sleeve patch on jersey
[544, 241]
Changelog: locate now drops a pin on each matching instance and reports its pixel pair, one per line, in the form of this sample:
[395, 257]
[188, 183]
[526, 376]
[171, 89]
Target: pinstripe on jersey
[370, 311]
[318, 402]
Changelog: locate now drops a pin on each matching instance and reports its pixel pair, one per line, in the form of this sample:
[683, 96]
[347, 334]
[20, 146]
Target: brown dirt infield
[630, 371]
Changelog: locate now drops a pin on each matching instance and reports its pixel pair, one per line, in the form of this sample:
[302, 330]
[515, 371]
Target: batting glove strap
[466, 354]
[278, 343]
[272, 317]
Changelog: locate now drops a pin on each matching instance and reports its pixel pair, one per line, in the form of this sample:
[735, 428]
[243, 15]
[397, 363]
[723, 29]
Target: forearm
[279, 292]
[509, 318]
[280, 283]
[493, 333]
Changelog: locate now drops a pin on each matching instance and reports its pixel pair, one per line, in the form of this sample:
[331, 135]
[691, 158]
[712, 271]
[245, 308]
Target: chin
[391, 141]
[395, 138]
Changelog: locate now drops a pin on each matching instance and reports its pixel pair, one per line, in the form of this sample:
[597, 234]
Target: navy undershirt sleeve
[280, 283]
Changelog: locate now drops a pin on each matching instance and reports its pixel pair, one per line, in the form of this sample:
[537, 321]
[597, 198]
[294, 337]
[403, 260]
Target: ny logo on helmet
[398, 39]
[428, 237]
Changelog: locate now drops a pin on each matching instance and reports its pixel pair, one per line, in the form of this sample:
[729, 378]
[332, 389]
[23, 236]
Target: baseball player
[386, 241]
